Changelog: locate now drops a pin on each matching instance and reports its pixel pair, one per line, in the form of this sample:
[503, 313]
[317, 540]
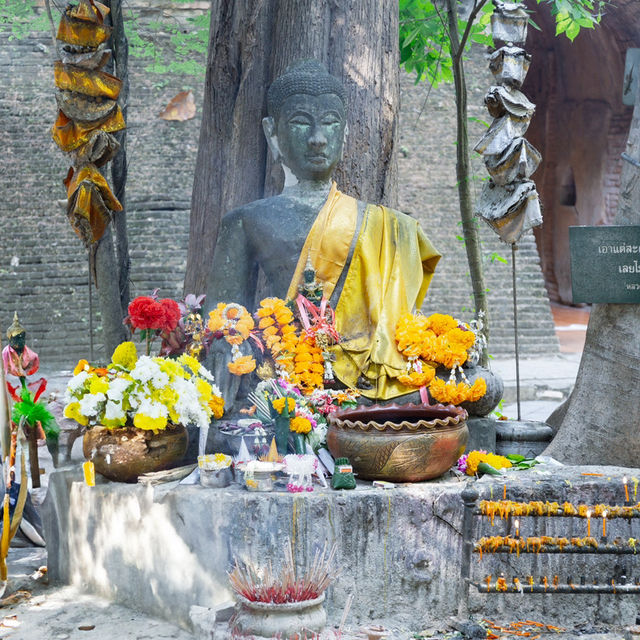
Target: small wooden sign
[605, 264]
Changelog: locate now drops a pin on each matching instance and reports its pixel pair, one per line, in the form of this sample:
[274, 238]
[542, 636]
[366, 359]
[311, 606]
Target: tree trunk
[251, 43]
[112, 262]
[120, 47]
[463, 172]
[603, 412]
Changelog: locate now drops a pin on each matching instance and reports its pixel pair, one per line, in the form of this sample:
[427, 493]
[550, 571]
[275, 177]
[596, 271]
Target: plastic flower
[125, 355]
[146, 313]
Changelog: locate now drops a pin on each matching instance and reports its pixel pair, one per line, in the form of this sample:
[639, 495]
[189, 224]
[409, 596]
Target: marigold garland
[457, 393]
[235, 324]
[308, 365]
[275, 320]
[437, 339]
[418, 378]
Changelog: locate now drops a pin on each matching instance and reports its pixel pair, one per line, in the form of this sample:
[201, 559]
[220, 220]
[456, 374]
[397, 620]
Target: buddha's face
[310, 134]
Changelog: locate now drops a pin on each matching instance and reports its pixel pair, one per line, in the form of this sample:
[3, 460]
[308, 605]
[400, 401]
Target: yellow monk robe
[391, 268]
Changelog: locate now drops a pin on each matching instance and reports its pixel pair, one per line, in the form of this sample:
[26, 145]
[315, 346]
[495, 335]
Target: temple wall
[166, 548]
[44, 268]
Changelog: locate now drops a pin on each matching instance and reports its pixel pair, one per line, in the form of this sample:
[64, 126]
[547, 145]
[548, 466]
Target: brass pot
[400, 443]
[125, 453]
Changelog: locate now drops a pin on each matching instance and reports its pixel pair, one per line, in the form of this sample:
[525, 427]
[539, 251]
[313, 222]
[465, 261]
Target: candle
[604, 524]
[626, 489]
[588, 523]
[517, 523]
[504, 492]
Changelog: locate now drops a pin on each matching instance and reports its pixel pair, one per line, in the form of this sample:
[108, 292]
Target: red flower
[146, 313]
[172, 314]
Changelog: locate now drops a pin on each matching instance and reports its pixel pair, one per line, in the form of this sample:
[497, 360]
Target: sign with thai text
[605, 264]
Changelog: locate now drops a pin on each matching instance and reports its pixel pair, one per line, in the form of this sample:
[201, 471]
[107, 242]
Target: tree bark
[603, 412]
[463, 169]
[250, 43]
[120, 47]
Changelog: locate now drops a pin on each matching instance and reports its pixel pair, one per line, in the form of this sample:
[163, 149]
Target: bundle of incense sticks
[265, 585]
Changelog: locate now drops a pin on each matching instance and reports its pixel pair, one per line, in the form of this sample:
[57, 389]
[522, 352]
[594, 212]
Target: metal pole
[514, 248]
[469, 498]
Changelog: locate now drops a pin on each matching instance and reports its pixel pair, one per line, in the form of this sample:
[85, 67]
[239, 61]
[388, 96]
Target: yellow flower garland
[308, 365]
[236, 324]
[276, 324]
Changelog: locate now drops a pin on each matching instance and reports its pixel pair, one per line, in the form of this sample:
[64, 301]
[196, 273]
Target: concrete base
[167, 548]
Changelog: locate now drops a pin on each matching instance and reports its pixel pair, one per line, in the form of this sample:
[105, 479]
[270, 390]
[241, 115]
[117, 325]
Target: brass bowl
[399, 443]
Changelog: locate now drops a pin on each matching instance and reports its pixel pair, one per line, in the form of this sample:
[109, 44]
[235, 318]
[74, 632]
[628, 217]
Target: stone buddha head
[306, 125]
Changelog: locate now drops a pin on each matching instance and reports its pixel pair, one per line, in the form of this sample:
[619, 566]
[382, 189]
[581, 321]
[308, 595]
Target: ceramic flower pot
[287, 621]
[124, 454]
[400, 443]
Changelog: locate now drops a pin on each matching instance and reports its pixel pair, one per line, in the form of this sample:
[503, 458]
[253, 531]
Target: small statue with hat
[17, 358]
[27, 412]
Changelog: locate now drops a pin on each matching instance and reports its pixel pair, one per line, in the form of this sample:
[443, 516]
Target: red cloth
[25, 365]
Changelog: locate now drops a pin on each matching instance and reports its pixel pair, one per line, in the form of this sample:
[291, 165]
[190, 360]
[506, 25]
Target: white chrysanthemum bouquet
[143, 392]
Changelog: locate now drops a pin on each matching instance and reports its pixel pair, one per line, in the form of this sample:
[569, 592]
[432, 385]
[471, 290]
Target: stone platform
[168, 547]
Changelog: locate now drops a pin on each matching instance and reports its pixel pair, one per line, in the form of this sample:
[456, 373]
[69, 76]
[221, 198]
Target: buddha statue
[374, 263]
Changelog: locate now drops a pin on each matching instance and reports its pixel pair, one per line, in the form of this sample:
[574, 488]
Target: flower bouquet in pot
[136, 410]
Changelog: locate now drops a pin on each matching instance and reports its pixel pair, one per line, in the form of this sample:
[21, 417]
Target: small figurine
[17, 358]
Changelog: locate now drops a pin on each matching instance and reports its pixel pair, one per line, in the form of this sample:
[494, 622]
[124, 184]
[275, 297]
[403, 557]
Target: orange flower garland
[276, 323]
[457, 393]
[308, 366]
[233, 323]
[437, 339]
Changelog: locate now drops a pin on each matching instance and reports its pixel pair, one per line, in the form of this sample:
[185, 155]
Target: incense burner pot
[407, 443]
[288, 620]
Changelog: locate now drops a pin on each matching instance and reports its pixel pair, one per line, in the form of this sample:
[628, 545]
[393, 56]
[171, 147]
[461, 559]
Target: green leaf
[483, 467]
[572, 31]
[515, 457]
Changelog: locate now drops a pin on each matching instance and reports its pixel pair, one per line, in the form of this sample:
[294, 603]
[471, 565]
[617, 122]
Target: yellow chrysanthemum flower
[125, 355]
[72, 411]
[142, 421]
[189, 361]
[83, 365]
[204, 389]
[216, 404]
[98, 384]
[298, 424]
[476, 457]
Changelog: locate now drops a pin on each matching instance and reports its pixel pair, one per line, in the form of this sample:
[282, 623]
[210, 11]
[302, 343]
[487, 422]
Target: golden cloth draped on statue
[392, 265]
